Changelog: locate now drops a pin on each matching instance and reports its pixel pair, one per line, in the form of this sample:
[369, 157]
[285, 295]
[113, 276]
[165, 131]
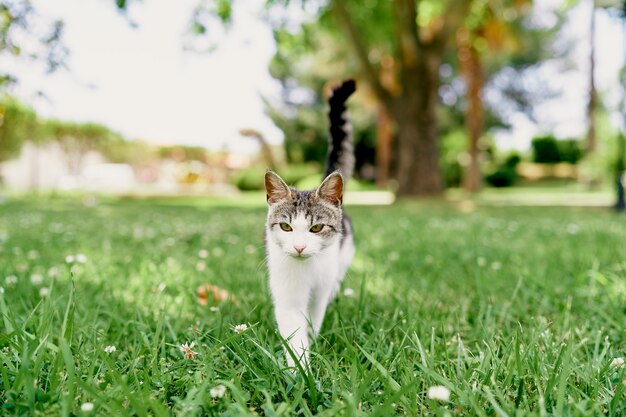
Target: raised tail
[340, 149]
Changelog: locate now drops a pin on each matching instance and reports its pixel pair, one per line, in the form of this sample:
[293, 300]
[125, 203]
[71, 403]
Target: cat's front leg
[322, 296]
[292, 325]
[290, 309]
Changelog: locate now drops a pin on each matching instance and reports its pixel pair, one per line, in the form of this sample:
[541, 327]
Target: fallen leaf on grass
[211, 294]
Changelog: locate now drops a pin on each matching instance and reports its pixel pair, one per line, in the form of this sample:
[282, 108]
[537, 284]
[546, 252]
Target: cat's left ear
[331, 189]
[275, 188]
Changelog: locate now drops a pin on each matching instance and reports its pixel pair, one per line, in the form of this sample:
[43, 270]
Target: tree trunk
[592, 104]
[472, 71]
[384, 142]
[418, 170]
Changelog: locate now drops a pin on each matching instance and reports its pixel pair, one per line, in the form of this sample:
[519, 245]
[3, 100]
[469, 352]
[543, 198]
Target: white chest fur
[302, 288]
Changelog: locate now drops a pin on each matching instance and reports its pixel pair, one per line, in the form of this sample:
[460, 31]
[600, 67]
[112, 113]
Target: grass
[517, 311]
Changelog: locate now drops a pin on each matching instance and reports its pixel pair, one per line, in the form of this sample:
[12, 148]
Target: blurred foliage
[602, 164]
[17, 123]
[26, 34]
[183, 152]
[505, 173]
[252, 179]
[549, 150]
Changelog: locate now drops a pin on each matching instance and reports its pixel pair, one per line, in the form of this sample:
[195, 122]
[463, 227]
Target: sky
[141, 82]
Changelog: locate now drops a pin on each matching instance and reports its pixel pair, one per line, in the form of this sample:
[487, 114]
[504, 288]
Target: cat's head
[303, 223]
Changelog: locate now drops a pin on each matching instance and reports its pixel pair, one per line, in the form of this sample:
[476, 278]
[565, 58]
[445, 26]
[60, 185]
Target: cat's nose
[299, 249]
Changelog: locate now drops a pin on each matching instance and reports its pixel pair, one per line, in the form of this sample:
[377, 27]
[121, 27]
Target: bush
[251, 179]
[570, 151]
[545, 150]
[504, 176]
[549, 150]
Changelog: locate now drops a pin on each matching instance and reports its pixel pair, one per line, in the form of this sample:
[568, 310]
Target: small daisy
[1, 290]
[69, 259]
[218, 392]
[214, 309]
[110, 349]
[81, 258]
[44, 292]
[496, 266]
[86, 407]
[348, 292]
[53, 272]
[200, 266]
[439, 393]
[618, 363]
[36, 279]
[240, 328]
[10, 280]
[187, 350]
[203, 253]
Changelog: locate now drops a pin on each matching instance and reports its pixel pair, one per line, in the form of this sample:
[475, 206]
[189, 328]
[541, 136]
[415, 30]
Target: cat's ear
[331, 189]
[275, 188]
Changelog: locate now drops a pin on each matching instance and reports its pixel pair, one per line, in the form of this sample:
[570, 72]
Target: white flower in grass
[36, 279]
[481, 261]
[572, 229]
[240, 328]
[203, 253]
[53, 272]
[10, 280]
[496, 266]
[86, 407]
[110, 349]
[1, 290]
[218, 392]
[439, 393]
[214, 309]
[81, 258]
[200, 266]
[44, 292]
[618, 363]
[187, 350]
[69, 259]
[348, 292]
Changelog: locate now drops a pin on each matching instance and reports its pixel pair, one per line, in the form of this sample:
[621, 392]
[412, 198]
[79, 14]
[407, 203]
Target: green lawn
[517, 311]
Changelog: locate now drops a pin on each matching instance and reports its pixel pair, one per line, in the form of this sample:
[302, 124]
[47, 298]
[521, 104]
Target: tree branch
[408, 38]
[453, 19]
[371, 74]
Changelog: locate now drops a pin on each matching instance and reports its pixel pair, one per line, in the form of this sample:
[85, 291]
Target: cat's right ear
[275, 188]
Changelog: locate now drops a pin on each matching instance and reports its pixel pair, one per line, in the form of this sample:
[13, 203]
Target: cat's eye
[316, 228]
[286, 227]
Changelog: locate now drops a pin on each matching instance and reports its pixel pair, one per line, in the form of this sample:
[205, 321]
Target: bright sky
[142, 83]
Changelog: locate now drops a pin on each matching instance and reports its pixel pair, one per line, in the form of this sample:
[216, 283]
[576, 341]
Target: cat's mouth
[300, 255]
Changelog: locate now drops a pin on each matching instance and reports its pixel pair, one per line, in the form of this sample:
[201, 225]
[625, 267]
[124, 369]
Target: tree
[26, 34]
[18, 123]
[422, 33]
[77, 139]
[413, 37]
[495, 35]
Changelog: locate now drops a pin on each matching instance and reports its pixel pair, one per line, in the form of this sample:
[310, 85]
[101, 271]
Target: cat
[309, 240]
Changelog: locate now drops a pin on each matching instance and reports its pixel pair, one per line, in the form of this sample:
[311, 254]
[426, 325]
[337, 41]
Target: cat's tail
[340, 149]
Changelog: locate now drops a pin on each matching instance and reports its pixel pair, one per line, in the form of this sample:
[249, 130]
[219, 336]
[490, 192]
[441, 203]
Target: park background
[487, 199]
